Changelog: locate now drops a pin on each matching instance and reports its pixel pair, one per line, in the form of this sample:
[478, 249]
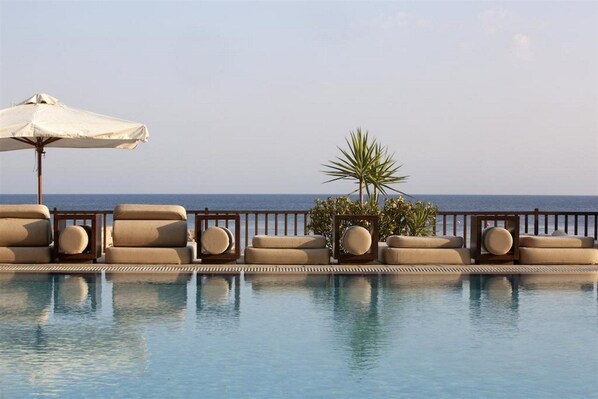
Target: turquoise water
[298, 337]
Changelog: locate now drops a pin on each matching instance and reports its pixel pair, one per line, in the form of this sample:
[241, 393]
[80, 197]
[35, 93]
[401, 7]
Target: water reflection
[318, 286]
[562, 282]
[494, 302]
[143, 297]
[425, 282]
[218, 299]
[41, 346]
[25, 298]
[77, 294]
[356, 319]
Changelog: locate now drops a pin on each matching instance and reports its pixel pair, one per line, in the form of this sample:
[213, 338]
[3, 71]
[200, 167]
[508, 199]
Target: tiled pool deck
[300, 269]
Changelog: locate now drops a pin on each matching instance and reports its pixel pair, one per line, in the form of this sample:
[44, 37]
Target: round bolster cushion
[216, 240]
[497, 240]
[231, 239]
[357, 240]
[73, 240]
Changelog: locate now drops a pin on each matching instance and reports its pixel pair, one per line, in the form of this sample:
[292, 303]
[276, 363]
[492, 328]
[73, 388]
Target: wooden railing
[294, 222]
[254, 222]
[531, 222]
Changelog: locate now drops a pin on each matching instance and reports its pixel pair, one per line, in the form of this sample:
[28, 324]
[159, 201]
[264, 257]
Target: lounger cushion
[356, 240]
[24, 211]
[302, 242]
[149, 212]
[149, 233]
[25, 254]
[25, 232]
[556, 242]
[497, 240]
[287, 256]
[149, 255]
[215, 240]
[558, 256]
[73, 240]
[425, 242]
[426, 256]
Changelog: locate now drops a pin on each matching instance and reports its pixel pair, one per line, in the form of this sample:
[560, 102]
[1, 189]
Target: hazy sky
[473, 98]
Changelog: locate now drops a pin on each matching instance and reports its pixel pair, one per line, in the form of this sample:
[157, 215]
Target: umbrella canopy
[42, 121]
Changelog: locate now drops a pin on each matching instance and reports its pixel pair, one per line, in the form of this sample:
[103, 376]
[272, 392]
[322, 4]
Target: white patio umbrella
[42, 121]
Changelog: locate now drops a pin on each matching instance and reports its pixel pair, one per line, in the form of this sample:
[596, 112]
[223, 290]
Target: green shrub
[402, 217]
[397, 216]
[321, 216]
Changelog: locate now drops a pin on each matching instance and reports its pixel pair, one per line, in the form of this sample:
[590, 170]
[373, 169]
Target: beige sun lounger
[407, 250]
[557, 250]
[288, 250]
[149, 234]
[25, 234]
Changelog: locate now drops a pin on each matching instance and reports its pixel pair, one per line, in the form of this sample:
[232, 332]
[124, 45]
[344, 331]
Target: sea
[304, 201]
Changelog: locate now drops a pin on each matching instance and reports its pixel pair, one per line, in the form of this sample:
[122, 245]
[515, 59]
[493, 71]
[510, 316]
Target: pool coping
[299, 269]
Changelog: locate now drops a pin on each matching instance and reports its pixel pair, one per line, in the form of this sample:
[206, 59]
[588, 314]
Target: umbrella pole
[39, 148]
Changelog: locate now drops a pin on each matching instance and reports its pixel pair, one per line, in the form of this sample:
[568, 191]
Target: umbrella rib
[24, 140]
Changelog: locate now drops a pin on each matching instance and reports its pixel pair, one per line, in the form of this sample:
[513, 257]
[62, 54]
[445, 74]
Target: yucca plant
[368, 163]
[356, 163]
[383, 173]
[422, 219]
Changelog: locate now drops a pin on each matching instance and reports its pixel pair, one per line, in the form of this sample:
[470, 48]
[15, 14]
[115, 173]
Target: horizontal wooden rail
[294, 222]
[534, 222]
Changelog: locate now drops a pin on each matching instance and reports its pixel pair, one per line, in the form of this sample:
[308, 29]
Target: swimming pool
[123, 335]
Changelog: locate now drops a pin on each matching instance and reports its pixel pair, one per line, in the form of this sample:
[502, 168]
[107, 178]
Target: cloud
[503, 26]
[399, 19]
[522, 41]
[522, 46]
[493, 21]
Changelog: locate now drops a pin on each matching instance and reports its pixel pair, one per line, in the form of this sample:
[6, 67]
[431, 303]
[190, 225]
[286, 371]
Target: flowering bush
[402, 217]
[397, 216]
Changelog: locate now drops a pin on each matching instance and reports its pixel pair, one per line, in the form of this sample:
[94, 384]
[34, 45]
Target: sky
[253, 97]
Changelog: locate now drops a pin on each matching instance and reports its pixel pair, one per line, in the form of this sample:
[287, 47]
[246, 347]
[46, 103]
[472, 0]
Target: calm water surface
[118, 335]
[303, 201]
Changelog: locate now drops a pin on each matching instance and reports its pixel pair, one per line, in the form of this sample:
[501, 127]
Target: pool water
[258, 336]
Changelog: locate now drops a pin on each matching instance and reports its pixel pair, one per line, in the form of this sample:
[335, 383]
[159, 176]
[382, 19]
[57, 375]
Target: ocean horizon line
[315, 194]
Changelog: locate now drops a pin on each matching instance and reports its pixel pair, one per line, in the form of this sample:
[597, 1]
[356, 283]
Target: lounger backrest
[424, 242]
[289, 242]
[24, 211]
[149, 226]
[25, 226]
[556, 241]
[149, 212]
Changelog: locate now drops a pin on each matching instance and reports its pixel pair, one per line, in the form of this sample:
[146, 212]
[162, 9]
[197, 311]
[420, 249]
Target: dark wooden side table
[202, 223]
[479, 223]
[94, 248]
[343, 221]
